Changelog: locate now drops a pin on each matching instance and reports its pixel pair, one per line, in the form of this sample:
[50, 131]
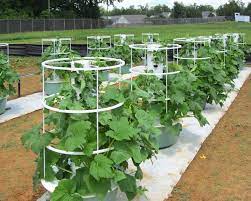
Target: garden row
[105, 114]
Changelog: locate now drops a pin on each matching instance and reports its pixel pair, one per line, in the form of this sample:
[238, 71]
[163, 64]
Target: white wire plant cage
[5, 49]
[236, 38]
[98, 43]
[56, 44]
[54, 48]
[123, 39]
[191, 57]
[150, 38]
[160, 69]
[194, 45]
[219, 43]
[78, 66]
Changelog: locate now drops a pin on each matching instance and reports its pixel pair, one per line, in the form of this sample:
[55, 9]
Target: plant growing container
[53, 86]
[8, 77]
[166, 138]
[3, 102]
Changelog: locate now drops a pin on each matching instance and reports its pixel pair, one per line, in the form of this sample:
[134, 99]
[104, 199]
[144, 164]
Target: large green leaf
[36, 141]
[121, 129]
[128, 186]
[105, 118]
[112, 93]
[129, 149]
[76, 134]
[119, 156]
[65, 191]
[145, 119]
[101, 167]
[119, 175]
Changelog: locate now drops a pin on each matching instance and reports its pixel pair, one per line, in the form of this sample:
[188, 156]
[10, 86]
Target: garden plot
[98, 127]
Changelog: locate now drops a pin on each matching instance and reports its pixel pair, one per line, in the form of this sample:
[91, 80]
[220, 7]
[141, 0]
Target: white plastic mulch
[22, 106]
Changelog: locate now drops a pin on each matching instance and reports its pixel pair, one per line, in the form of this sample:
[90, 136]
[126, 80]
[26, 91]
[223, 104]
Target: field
[167, 32]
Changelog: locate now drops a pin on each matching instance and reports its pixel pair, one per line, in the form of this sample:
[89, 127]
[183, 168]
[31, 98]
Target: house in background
[126, 20]
[207, 14]
[161, 15]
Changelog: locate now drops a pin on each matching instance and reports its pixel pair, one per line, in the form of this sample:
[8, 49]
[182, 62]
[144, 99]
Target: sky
[214, 3]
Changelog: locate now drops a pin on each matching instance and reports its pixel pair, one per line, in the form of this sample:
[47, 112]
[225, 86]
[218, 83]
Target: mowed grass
[167, 32]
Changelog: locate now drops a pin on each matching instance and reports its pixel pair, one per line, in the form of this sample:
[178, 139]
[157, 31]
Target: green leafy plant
[152, 38]
[124, 53]
[57, 52]
[232, 59]
[159, 57]
[98, 42]
[119, 52]
[182, 96]
[123, 40]
[235, 59]
[8, 77]
[125, 131]
[210, 72]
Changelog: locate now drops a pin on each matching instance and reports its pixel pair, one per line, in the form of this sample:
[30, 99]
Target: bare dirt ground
[27, 66]
[16, 164]
[221, 170]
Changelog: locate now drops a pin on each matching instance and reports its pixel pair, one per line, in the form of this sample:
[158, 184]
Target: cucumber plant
[56, 52]
[183, 99]
[210, 73]
[8, 77]
[125, 131]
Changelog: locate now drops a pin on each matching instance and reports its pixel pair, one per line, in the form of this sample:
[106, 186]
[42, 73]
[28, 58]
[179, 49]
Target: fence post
[64, 24]
[32, 25]
[74, 24]
[7, 26]
[20, 26]
[54, 24]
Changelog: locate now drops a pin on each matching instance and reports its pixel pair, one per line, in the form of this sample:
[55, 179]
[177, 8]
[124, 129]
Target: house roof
[135, 19]
[208, 13]
[128, 19]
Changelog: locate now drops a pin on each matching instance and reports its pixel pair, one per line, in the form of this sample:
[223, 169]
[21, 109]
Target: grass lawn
[167, 32]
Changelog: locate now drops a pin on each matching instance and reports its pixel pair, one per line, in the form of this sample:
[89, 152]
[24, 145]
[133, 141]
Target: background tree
[230, 8]
[59, 8]
[247, 10]
[179, 10]
[91, 9]
[141, 10]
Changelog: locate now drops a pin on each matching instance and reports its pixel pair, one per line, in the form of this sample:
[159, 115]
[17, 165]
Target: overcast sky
[215, 3]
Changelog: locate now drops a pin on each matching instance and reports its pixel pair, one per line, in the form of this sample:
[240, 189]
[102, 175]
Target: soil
[17, 164]
[30, 77]
[221, 170]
